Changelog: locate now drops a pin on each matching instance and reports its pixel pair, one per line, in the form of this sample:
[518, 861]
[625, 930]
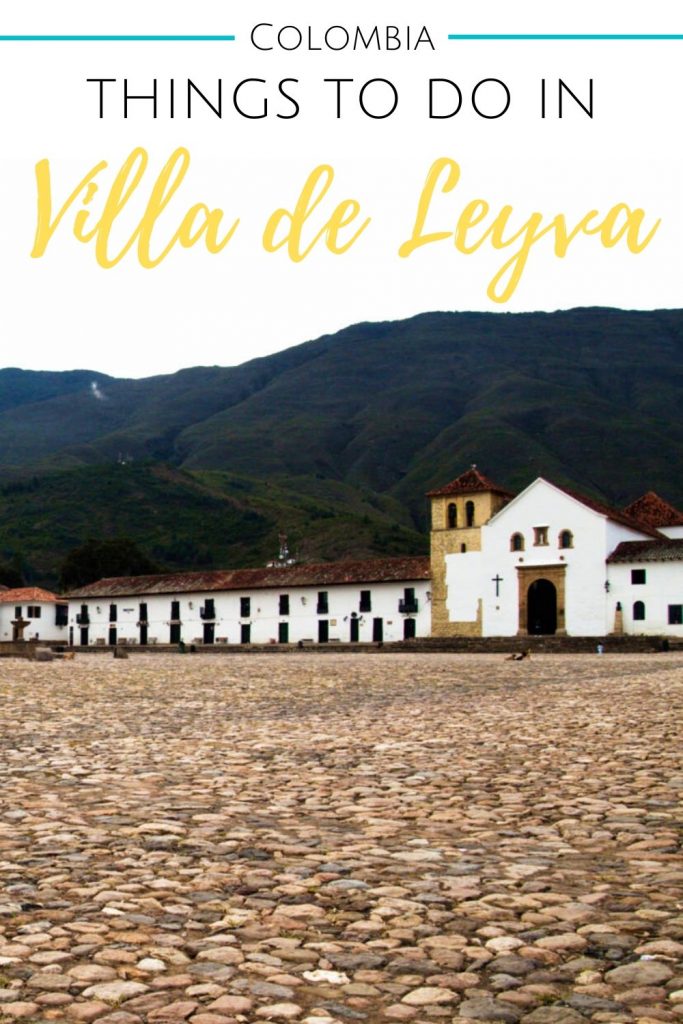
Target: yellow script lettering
[620, 222]
[199, 220]
[312, 194]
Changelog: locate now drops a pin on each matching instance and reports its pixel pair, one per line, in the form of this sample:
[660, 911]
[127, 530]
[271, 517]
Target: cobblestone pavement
[341, 838]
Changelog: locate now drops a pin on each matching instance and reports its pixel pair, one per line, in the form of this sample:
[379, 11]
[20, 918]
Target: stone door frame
[528, 574]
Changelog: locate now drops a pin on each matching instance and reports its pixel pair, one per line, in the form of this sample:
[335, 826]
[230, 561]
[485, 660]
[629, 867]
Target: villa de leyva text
[319, 217]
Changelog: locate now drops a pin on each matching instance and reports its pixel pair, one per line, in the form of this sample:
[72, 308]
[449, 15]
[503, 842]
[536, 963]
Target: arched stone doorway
[541, 608]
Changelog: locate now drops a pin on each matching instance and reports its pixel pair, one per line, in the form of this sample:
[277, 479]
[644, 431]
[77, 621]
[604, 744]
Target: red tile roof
[470, 482]
[654, 511]
[27, 595]
[666, 550]
[374, 570]
[615, 514]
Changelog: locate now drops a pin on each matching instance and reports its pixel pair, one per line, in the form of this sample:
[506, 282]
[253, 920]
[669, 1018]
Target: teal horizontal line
[565, 36]
[116, 39]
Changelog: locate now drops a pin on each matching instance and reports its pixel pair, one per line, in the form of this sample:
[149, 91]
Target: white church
[552, 561]
[546, 561]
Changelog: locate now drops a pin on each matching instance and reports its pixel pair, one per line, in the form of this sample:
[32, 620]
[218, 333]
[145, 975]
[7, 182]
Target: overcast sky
[63, 310]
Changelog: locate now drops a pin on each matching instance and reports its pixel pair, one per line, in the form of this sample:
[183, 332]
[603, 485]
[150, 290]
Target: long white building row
[545, 561]
[379, 600]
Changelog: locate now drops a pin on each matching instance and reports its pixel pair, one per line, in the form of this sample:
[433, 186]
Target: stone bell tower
[459, 510]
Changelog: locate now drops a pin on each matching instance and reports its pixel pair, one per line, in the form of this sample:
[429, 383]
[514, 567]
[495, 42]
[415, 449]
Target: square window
[540, 536]
[638, 576]
[676, 614]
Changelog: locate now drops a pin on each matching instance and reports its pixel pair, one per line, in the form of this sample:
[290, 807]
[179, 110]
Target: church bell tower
[459, 510]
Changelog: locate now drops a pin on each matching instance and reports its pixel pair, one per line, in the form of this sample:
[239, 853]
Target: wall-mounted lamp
[190, 604]
[607, 586]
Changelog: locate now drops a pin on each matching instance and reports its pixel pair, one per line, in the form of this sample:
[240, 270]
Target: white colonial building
[30, 613]
[552, 561]
[377, 600]
[543, 562]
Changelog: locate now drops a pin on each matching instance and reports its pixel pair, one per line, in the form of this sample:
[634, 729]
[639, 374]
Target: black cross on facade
[497, 580]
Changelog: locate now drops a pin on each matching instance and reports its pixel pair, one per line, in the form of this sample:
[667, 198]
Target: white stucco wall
[675, 532]
[474, 575]
[663, 587]
[343, 602]
[42, 628]
[616, 533]
[542, 505]
[463, 582]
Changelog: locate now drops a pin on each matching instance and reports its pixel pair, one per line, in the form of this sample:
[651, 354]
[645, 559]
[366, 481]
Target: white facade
[546, 533]
[650, 594]
[45, 619]
[363, 612]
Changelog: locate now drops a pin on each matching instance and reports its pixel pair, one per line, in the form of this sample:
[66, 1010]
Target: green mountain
[336, 441]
